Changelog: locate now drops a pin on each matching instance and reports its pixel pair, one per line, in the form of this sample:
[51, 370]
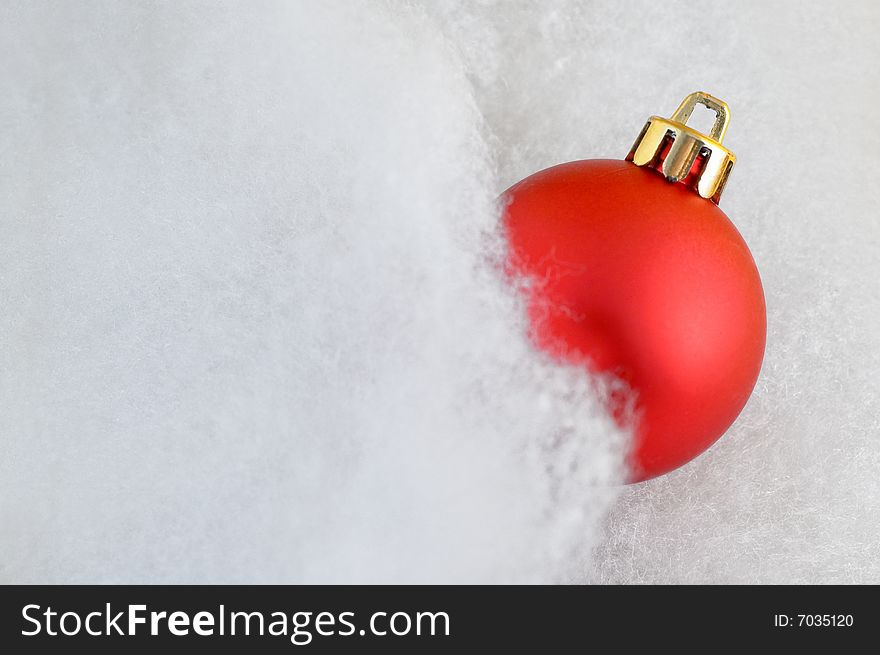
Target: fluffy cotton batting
[256, 326]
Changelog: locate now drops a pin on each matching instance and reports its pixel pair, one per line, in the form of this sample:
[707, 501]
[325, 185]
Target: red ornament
[648, 280]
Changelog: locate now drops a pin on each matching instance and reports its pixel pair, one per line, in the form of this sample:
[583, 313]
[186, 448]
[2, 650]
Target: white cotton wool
[254, 327]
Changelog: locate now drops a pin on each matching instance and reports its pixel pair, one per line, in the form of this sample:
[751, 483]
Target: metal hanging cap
[681, 153]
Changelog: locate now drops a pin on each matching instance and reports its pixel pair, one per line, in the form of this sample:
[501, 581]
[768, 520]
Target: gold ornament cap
[681, 153]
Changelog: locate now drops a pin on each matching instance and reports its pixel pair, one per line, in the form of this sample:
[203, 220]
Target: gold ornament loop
[722, 112]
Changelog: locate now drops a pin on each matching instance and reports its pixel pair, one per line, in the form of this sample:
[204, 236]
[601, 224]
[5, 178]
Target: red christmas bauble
[631, 275]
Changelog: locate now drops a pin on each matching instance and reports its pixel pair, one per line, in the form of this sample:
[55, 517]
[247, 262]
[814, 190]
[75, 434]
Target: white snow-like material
[254, 327]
